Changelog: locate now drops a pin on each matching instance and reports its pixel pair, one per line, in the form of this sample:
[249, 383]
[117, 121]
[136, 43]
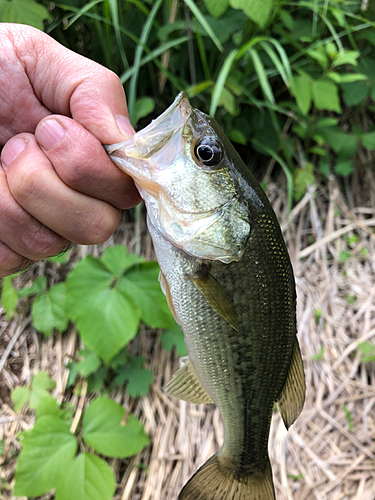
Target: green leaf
[257, 10]
[41, 385]
[303, 177]
[89, 277]
[216, 7]
[141, 284]
[89, 478]
[106, 319]
[320, 55]
[301, 89]
[38, 286]
[20, 396]
[139, 379]
[48, 311]
[368, 351]
[43, 381]
[319, 355]
[108, 322]
[49, 406]
[23, 12]
[47, 453]
[341, 142]
[143, 107]
[61, 258]
[368, 140]
[90, 364]
[347, 78]
[102, 430]
[325, 96]
[228, 101]
[174, 337]
[344, 256]
[354, 93]
[344, 167]
[9, 297]
[346, 57]
[117, 259]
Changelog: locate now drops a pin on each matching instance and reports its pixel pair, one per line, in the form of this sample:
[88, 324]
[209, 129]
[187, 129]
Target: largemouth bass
[228, 279]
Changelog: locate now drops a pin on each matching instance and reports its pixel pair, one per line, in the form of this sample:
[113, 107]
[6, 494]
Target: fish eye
[208, 151]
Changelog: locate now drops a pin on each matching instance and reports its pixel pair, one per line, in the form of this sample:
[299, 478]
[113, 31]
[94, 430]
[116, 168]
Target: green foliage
[138, 379]
[9, 297]
[122, 369]
[54, 455]
[270, 71]
[348, 417]
[23, 12]
[103, 431]
[174, 337]
[48, 312]
[289, 64]
[108, 297]
[368, 351]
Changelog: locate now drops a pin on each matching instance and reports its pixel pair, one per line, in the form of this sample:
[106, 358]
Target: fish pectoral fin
[216, 296]
[292, 396]
[185, 384]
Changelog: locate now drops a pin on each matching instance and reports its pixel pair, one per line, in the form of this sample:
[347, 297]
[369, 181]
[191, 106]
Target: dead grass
[329, 453]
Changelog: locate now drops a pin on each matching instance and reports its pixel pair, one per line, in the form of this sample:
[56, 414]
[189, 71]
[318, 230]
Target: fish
[229, 282]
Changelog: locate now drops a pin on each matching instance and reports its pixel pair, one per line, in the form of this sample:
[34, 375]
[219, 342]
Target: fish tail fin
[215, 481]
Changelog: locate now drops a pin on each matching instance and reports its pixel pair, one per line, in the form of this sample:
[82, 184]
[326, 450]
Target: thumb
[99, 104]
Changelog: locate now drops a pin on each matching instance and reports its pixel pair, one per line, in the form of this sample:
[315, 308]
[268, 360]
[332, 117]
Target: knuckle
[99, 228]
[23, 183]
[41, 242]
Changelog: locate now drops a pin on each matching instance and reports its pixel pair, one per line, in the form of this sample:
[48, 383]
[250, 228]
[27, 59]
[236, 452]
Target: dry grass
[329, 453]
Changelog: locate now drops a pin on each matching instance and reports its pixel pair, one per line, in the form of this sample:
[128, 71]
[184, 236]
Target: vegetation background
[87, 335]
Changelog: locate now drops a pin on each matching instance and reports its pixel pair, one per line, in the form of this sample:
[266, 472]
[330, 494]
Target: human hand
[57, 184]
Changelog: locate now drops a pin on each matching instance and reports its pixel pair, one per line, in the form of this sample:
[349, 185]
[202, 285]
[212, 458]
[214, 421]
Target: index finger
[69, 84]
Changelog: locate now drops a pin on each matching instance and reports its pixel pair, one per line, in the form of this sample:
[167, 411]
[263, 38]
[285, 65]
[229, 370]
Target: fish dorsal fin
[185, 384]
[216, 296]
[292, 396]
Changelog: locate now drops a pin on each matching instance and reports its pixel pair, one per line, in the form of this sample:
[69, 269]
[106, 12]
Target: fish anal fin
[292, 396]
[215, 295]
[167, 292]
[215, 482]
[185, 384]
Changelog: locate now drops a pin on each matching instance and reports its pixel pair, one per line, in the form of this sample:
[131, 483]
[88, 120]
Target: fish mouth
[152, 138]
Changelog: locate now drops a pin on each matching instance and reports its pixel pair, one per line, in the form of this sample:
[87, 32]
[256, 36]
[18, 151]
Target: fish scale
[229, 282]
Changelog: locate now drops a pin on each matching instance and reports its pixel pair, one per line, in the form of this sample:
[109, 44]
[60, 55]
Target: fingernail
[49, 133]
[11, 150]
[124, 125]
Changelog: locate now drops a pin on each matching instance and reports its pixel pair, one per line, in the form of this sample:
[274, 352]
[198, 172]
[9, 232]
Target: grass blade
[81, 12]
[113, 5]
[221, 79]
[202, 21]
[263, 80]
[276, 61]
[286, 169]
[153, 55]
[137, 57]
